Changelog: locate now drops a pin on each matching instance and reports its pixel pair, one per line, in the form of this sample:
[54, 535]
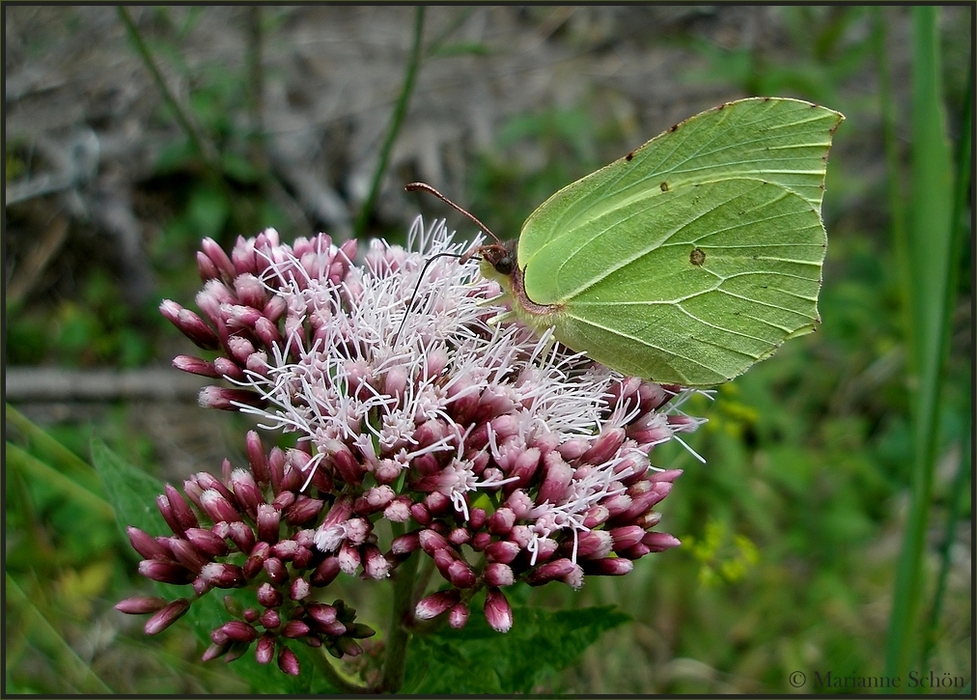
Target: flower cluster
[502, 456]
[258, 518]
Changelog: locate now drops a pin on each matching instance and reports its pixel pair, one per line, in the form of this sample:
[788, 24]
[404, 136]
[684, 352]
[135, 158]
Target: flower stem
[206, 150]
[400, 111]
[403, 613]
[336, 680]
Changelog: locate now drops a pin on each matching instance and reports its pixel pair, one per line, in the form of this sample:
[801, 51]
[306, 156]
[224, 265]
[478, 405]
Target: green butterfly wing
[695, 256]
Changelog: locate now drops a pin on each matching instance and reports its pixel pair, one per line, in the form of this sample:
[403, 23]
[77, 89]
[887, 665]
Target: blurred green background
[830, 529]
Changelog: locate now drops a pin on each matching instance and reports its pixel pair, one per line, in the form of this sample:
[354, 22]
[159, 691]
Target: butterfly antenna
[413, 295]
[424, 187]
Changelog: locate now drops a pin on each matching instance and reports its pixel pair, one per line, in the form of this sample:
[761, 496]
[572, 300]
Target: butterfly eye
[505, 265]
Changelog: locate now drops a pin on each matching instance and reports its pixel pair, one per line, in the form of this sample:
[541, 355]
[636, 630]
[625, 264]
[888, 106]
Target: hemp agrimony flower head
[500, 455]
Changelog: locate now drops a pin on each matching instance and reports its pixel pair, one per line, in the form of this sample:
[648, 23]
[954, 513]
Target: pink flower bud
[256, 458]
[605, 446]
[241, 535]
[276, 570]
[557, 479]
[238, 631]
[295, 629]
[438, 503]
[650, 429]
[616, 505]
[551, 571]
[497, 610]
[326, 572]
[477, 518]
[321, 613]
[458, 573]
[421, 514]
[300, 589]
[268, 518]
[349, 558]
[288, 662]
[609, 566]
[209, 544]
[458, 616]
[395, 381]
[304, 510]
[432, 541]
[594, 544]
[405, 544]
[256, 560]
[267, 331]
[343, 461]
[498, 575]
[265, 648]
[165, 571]
[669, 475]
[140, 604]
[653, 396]
[436, 603]
[210, 248]
[459, 536]
[660, 541]
[217, 507]
[269, 596]
[223, 398]
[399, 510]
[501, 521]
[190, 324]
[375, 499]
[627, 536]
[167, 616]
[481, 540]
[195, 365]
[146, 545]
[284, 500]
[246, 491]
[250, 290]
[187, 554]
[597, 515]
[166, 510]
[285, 550]
[223, 575]
[573, 450]
[229, 369]
[208, 271]
[375, 565]
[270, 619]
[502, 551]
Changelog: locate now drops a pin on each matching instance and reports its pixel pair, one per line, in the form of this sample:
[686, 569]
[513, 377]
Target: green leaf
[131, 491]
[691, 258]
[477, 659]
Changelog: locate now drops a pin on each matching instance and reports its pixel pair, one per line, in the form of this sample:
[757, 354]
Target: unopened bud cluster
[252, 528]
[505, 457]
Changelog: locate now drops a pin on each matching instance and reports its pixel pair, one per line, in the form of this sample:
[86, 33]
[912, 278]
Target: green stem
[400, 111]
[395, 664]
[337, 681]
[203, 147]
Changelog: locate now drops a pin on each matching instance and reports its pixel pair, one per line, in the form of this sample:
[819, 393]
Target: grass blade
[929, 248]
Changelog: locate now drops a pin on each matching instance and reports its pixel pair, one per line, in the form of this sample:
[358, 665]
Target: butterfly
[691, 258]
